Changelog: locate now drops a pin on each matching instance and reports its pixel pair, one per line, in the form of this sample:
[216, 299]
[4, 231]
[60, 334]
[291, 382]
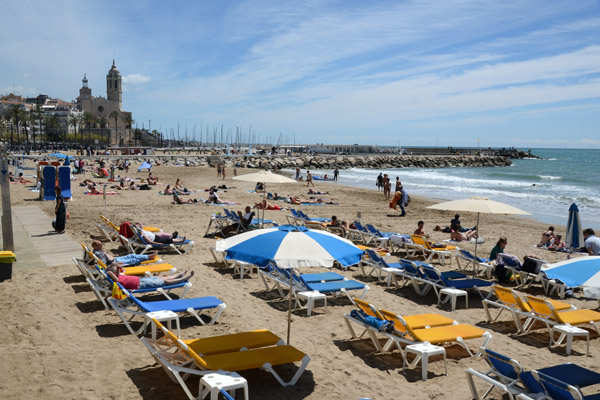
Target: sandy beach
[60, 343]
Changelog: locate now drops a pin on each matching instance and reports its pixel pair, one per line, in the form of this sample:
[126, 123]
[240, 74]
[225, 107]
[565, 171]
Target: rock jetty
[326, 161]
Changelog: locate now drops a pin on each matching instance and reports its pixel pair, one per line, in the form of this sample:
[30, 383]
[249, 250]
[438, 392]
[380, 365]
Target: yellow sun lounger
[420, 243]
[253, 358]
[144, 269]
[551, 316]
[417, 321]
[443, 333]
[511, 300]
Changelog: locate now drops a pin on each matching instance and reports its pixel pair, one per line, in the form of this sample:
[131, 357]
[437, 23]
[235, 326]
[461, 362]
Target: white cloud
[135, 79]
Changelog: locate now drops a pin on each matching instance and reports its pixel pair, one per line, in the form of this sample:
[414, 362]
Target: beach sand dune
[59, 342]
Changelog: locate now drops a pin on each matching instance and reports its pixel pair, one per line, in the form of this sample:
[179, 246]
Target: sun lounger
[147, 268]
[441, 334]
[264, 357]
[137, 242]
[428, 252]
[558, 388]
[439, 281]
[131, 306]
[64, 181]
[507, 375]
[482, 266]
[550, 313]
[49, 174]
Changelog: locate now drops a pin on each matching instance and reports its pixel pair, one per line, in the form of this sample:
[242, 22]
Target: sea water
[543, 187]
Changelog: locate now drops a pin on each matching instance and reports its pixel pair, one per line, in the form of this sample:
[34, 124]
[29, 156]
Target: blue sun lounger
[335, 287]
[64, 181]
[49, 174]
[509, 376]
[131, 306]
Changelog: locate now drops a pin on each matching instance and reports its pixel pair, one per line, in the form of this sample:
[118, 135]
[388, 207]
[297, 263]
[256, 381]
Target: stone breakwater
[325, 162]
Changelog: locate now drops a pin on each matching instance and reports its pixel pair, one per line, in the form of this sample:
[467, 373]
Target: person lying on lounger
[161, 237]
[132, 282]
[127, 260]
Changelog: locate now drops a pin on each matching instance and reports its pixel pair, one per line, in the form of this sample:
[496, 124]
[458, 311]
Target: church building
[103, 108]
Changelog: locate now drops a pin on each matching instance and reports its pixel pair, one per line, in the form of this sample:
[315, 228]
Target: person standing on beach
[398, 185]
[309, 180]
[60, 222]
[297, 173]
[223, 173]
[379, 181]
[218, 170]
[387, 186]
[335, 174]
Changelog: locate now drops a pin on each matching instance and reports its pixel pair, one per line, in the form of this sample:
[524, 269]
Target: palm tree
[3, 126]
[13, 113]
[74, 121]
[115, 115]
[88, 120]
[128, 122]
[38, 110]
[52, 123]
[103, 122]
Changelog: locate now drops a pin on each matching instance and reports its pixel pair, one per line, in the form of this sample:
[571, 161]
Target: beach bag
[380, 325]
[117, 293]
[532, 265]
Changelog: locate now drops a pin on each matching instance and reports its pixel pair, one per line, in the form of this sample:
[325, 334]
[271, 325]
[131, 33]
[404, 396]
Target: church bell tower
[113, 86]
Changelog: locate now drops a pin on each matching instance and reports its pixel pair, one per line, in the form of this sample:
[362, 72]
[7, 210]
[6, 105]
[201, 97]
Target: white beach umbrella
[264, 177]
[478, 204]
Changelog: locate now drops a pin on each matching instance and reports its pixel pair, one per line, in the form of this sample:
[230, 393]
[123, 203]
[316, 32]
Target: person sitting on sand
[177, 200]
[420, 231]
[132, 282]
[168, 191]
[23, 180]
[463, 236]
[128, 260]
[120, 186]
[152, 180]
[557, 244]
[547, 237]
[259, 187]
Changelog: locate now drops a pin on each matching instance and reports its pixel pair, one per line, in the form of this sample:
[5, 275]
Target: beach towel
[100, 193]
[125, 230]
[380, 325]
[145, 165]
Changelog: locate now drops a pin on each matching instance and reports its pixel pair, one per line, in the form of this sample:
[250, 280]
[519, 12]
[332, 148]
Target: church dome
[113, 70]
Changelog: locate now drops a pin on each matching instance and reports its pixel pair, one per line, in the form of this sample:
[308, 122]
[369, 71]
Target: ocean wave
[550, 177]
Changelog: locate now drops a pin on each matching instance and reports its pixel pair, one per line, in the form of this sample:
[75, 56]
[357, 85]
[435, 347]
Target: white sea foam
[550, 177]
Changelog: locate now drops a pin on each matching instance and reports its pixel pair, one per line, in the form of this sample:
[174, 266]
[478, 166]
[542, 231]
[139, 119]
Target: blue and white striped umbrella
[290, 247]
[574, 237]
[581, 272]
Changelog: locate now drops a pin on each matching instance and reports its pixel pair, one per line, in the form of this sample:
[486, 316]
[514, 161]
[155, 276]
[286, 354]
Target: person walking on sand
[218, 170]
[379, 182]
[223, 173]
[309, 180]
[387, 186]
[335, 174]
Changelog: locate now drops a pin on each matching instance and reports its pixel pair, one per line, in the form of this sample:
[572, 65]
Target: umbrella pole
[476, 241]
[290, 307]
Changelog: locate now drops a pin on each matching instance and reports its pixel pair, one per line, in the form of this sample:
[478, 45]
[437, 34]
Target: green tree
[88, 119]
[74, 121]
[13, 114]
[40, 115]
[103, 122]
[52, 125]
[3, 127]
[115, 115]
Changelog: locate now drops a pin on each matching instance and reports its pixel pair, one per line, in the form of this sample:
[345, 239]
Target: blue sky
[449, 73]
